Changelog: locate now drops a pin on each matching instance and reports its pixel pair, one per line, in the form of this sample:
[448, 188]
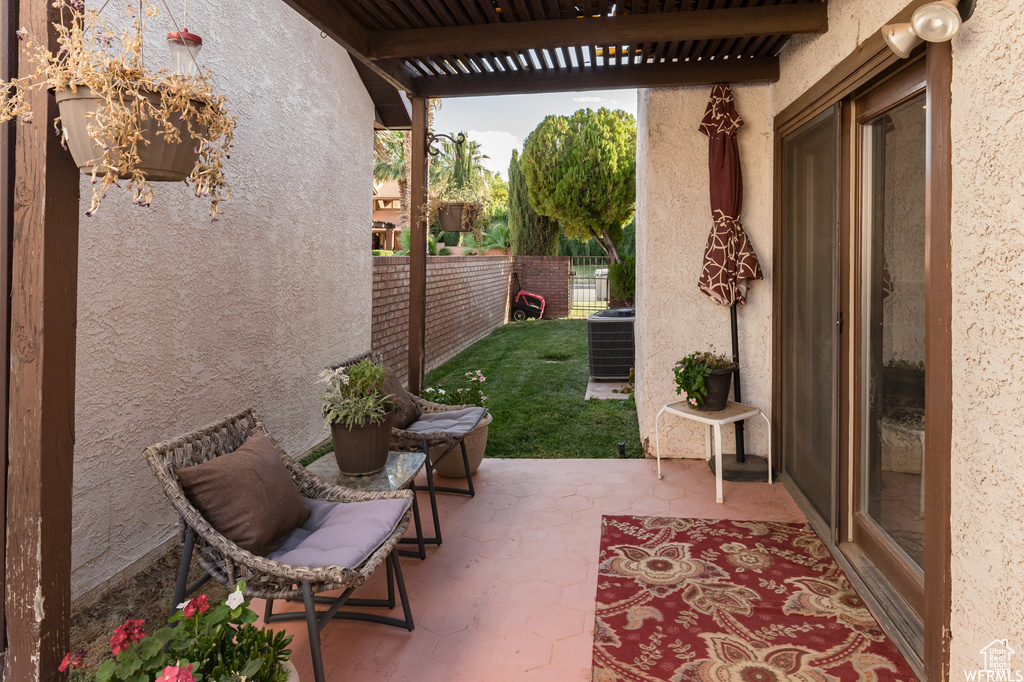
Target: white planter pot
[159, 160]
[293, 674]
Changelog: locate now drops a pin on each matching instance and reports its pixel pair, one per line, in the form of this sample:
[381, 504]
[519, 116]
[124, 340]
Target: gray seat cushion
[340, 534]
[457, 424]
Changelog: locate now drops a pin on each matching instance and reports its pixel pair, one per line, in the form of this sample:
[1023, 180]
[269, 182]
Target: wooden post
[8, 67]
[418, 246]
[44, 287]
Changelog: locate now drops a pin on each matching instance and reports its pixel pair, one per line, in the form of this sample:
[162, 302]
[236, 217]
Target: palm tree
[391, 161]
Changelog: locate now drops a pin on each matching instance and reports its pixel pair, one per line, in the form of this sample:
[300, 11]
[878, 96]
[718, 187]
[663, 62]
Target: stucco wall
[182, 321]
[674, 318]
[988, 256]
[988, 334]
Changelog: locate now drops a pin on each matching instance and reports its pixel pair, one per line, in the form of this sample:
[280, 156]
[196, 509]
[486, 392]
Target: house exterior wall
[988, 256]
[181, 321]
[673, 217]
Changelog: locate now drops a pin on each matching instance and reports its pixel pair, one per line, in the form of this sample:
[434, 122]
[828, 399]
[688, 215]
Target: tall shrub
[581, 170]
[532, 234]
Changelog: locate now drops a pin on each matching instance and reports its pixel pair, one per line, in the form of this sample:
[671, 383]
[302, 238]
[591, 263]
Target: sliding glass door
[808, 329]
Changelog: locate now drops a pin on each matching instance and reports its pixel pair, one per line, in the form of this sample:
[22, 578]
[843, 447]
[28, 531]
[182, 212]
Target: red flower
[200, 603]
[124, 635]
[74, 660]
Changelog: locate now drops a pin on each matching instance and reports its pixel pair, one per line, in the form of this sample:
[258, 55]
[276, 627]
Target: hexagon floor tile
[509, 594]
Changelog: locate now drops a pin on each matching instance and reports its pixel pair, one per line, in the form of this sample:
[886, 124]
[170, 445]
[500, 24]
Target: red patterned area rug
[730, 601]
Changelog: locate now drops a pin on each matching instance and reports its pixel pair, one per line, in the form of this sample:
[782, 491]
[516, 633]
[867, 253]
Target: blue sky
[501, 123]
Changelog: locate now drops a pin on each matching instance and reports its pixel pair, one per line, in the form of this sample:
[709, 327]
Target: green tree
[391, 161]
[532, 234]
[581, 171]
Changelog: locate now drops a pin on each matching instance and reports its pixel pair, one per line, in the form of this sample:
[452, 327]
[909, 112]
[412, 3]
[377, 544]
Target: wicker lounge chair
[428, 433]
[266, 577]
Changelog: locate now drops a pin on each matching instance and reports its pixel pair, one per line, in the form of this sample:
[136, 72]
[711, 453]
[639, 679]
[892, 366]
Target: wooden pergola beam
[602, 77]
[342, 27]
[629, 29]
[40, 437]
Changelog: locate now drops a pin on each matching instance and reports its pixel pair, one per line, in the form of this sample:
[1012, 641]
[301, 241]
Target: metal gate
[588, 285]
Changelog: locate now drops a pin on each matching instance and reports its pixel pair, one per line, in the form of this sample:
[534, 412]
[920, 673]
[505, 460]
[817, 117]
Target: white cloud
[498, 145]
[588, 99]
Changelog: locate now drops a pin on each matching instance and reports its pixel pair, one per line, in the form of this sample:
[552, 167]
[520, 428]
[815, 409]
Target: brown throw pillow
[247, 495]
[406, 411]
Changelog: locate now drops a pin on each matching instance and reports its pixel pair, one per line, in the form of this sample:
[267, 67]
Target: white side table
[733, 412]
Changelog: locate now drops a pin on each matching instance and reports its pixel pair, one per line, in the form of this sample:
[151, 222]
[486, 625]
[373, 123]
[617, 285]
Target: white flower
[441, 391]
[235, 599]
[182, 605]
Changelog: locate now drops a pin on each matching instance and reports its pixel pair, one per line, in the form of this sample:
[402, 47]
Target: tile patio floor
[509, 595]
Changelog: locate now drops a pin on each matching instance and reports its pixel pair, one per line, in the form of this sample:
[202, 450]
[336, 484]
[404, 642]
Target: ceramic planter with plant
[206, 642]
[121, 120]
[457, 210]
[466, 391]
[704, 379]
[360, 416]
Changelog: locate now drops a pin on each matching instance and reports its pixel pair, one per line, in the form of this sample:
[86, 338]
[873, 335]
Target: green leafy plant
[622, 279]
[354, 395]
[465, 391]
[495, 238]
[109, 61]
[205, 644]
[691, 371]
[406, 238]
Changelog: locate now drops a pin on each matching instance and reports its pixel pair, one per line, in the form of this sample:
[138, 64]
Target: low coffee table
[399, 473]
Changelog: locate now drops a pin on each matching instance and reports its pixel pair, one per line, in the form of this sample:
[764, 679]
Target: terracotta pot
[160, 161]
[717, 385]
[476, 444]
[364, 449]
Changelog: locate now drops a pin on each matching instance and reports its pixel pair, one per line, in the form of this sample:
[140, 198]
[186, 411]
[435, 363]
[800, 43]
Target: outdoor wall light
[935, 22]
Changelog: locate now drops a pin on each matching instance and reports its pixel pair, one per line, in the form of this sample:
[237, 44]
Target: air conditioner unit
[610, 341]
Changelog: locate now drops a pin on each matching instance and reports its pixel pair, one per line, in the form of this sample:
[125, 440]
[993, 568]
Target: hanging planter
[121, 121]
[159, 159]
[459, 216]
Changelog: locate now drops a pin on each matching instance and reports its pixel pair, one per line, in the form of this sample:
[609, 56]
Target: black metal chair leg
[393, 559]
[421, 552]
[314, 631]
[389, 569]
[465, 463]
[186, 563]
[433, 496]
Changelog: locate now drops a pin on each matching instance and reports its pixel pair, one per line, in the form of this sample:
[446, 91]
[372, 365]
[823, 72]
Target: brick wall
[467, 299]
[549, 277]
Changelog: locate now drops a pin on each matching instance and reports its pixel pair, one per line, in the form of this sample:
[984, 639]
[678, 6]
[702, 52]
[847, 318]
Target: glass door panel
[893, 164]
[809, 340]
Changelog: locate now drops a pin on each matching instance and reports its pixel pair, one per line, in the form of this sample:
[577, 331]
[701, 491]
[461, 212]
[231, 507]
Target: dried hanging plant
[109, 62]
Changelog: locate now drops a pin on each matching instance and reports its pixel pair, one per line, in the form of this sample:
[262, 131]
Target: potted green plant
[703, 379]
[205, 643]
[120, 120]
[465, 391]
[360, 416]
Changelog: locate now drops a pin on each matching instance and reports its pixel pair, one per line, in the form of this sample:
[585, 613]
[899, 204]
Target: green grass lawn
[536, 379]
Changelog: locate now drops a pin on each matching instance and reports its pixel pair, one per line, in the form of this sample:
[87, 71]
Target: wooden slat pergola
[422, 48]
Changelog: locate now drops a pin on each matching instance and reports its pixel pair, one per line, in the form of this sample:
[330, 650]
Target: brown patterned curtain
[729, 261]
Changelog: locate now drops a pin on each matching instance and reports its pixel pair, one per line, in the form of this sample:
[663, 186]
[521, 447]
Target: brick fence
[467, 299]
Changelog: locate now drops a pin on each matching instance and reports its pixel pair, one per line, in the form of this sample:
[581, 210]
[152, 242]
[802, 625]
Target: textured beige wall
[182, 321]
[673, 221]
[988, 259]
[988, 334]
